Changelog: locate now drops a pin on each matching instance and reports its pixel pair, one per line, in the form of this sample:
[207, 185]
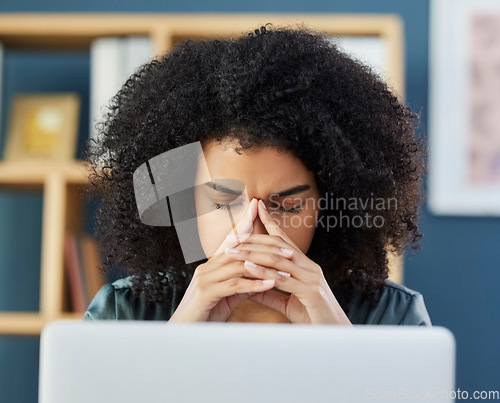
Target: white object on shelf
[1, 89]
[370, 50]
[113, 61]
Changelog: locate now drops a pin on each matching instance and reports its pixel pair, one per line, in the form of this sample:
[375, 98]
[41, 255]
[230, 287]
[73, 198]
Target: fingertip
[252, 203]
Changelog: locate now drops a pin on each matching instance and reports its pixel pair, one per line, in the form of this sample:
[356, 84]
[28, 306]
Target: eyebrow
[287, 192]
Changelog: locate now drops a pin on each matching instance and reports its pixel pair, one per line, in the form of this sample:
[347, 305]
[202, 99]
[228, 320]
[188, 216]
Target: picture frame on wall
[43, 127]
[464, 108]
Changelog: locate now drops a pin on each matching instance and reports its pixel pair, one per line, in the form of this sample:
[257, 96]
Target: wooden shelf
[21, 323]
[37, 172]
[62, 210]
[29, 323]
[60, 182]
[77, 31]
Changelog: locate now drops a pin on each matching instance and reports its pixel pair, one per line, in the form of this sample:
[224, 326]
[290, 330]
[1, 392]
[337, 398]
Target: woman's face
[274, 175]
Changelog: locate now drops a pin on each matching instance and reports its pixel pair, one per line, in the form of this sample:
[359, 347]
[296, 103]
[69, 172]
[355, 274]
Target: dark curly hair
[289, 88]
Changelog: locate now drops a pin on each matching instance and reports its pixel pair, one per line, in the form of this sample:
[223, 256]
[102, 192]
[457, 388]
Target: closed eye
[219, 206]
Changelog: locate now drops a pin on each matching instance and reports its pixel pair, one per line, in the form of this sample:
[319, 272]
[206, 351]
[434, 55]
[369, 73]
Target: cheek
[299, 228]
[208, 236]
[213, 228]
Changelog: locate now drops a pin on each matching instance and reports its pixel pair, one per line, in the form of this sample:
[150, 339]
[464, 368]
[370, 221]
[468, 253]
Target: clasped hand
[254, 267]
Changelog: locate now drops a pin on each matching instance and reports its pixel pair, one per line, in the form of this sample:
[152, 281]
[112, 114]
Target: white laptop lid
[119, 361]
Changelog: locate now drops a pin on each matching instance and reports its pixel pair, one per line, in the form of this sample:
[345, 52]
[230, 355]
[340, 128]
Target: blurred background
[456, 270]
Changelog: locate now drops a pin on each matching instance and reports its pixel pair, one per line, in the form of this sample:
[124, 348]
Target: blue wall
[456, 270]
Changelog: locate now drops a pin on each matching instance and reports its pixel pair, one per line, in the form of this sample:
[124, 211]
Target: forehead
[263, 169]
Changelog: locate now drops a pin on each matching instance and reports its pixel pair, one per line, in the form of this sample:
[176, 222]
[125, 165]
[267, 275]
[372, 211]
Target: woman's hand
[218, 286]
[311, 299]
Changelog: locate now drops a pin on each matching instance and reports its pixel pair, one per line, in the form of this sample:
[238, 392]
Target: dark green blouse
[398, 305]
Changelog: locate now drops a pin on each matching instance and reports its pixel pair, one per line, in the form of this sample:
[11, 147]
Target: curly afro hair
[289, 88]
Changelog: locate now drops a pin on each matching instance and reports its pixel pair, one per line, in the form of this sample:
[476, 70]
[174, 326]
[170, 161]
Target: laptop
[141, 361]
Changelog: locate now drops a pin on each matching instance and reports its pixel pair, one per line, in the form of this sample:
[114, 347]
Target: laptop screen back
[151, 362]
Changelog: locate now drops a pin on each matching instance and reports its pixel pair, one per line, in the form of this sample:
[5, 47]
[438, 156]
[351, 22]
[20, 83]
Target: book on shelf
[113, 60]
[82, 262]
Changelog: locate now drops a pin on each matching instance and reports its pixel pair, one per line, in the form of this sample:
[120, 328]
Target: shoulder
[116, 301]
[399, 289]
[397, 305]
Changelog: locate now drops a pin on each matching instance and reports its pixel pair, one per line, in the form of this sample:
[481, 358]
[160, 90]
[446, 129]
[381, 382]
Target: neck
[249, 311]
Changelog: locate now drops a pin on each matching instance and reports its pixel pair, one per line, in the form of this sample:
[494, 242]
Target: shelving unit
[60, 183]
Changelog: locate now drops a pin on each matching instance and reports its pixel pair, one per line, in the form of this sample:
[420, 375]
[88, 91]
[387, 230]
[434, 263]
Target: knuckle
[199, 270]
[233, 283]
[317, 269]
[275, 259]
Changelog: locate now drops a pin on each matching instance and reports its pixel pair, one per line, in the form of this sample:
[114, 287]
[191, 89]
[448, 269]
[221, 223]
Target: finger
[257, 271]
[240, 286]
[232, 269]
[261, 247]
[284, 281]
[312, 297]
[314, 294]
[269, 260]
[244, 227]
[271, 225]
[265, 239]
[281, 247]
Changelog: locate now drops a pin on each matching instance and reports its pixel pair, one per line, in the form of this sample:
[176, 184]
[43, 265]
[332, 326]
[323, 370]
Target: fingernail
[232, 251]
[250, 264]
[262, 204]
[251, 206]
[283, 273]
[267, 282]
[286, 252]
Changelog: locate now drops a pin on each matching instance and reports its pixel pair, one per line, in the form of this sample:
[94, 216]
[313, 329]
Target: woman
[330, 168]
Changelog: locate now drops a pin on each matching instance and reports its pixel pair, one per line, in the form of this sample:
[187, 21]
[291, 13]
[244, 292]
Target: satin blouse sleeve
[116, 301]
[398, 305]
